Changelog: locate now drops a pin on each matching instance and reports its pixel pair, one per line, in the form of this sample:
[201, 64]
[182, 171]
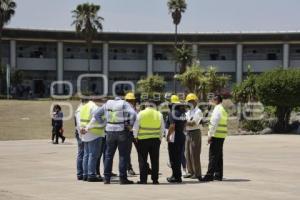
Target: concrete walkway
[256, 167]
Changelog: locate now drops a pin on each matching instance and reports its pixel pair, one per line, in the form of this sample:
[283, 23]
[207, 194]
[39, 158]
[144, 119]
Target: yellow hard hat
[191, 97]
[175, 99]
[130, 96]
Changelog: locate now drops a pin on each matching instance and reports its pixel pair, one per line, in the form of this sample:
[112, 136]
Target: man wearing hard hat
[148, 130]
[193, 138]
[130, 98]
[216, 135]
[176, 138]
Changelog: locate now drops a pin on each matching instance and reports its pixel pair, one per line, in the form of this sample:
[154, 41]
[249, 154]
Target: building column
[149, 59]
[286, 55]
[195, 51]
[60, 65]
[13, 54]
[105, 59]
[239, 63]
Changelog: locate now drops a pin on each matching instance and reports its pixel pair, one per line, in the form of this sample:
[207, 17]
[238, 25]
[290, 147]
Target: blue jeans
[92, 151]
[116, 140]
[80, 154]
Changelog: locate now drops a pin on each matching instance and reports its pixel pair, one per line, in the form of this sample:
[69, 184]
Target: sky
[153, 16]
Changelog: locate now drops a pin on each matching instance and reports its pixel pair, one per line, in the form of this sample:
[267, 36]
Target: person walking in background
[92, 136]
[148, 130]
[216, 135]
[193, 139]
[57, 125]
[176, 138]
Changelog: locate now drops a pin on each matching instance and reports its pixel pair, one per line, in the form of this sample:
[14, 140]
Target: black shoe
[194, 177]
[106, 182]
[96, 179]
[85, 178]
[174, 180]
[207, 178]
[126, 182]
[187, 176]
[131, 172]
[142, 182]
[55, 142]
[218, 178]
[155, 183]
[63, 139]
[79, 178]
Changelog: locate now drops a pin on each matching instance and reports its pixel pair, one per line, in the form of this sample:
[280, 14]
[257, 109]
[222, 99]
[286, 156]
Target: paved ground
[256, 167]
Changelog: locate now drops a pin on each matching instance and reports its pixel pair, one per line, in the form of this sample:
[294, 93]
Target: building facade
[45, 56]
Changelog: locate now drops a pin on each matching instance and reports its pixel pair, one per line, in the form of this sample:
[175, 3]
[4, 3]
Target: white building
[46, 56]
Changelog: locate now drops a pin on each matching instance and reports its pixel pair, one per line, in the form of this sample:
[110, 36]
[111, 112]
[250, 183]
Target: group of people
[118, 124]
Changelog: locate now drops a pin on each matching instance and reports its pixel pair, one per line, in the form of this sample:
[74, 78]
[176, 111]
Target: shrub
[280, 88]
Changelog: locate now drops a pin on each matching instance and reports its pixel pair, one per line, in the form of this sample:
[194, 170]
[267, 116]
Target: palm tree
[184, 57]
[7, 10]
[176, 8]
[87, 23]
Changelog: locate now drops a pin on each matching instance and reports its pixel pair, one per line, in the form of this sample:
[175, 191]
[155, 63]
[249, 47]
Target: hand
[135, 140]
[83, 131]
[209, 140]
[169, 138]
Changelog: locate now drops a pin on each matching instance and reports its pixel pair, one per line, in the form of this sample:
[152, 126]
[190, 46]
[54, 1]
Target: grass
[22, 120]
[25, 120]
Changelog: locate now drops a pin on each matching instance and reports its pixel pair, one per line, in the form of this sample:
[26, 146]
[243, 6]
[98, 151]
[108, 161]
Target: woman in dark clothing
[57, 124]
[177, 122]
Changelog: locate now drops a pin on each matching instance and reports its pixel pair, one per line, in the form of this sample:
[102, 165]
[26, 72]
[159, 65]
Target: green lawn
[30, 120]
[23, 120]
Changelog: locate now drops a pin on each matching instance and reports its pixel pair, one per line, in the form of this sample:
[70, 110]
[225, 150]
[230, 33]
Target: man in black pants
[177, 122]
[216, 136]
[148, 130]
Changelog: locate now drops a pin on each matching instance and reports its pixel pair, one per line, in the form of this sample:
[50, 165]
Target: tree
[192, 78]
[176, 8]
[246, 91]
[87, 23]
[214, 83]
[202, 82]
[184, 57]
[280, 88]
[7, 10]
[152, 84]
[17, 77]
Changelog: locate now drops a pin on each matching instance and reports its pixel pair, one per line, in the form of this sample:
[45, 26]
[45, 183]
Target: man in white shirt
[193, 139]
[216, 135]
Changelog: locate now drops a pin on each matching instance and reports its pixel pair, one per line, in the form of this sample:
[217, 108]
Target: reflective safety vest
[85, 118]
[222, 130]
[150, 124]
[115, 109]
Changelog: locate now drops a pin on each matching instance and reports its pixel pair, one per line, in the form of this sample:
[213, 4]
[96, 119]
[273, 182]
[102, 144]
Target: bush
[280, 88]
[152, 84]
[253, 125]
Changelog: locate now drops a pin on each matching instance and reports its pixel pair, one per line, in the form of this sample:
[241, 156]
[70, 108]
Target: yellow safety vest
[85, 118]
[222, 130]
[150, 124]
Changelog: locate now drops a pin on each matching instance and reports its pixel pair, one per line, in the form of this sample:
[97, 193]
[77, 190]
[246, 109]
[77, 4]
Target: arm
[136, 126]
[162, 126]
[214, 121]
[171, 131]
